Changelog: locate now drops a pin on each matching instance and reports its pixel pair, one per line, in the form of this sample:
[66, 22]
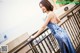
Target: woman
[59, 33]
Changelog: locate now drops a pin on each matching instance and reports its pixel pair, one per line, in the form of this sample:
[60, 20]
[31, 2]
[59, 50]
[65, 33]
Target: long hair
[47, 5]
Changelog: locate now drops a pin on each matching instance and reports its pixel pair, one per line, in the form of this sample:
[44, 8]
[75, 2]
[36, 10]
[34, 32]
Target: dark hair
[47, 5]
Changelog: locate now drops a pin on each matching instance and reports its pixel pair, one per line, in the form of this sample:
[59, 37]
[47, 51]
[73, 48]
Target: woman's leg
[61, 44]
[68, 44]
[67, 51]
[62, 39]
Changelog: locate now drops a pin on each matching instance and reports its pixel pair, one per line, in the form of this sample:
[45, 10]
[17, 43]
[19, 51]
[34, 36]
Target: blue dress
[62, 38]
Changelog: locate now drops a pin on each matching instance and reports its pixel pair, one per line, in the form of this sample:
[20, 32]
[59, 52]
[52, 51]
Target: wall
[18, 17]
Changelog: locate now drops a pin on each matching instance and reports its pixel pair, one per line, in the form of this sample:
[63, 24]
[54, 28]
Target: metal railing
[47, 43]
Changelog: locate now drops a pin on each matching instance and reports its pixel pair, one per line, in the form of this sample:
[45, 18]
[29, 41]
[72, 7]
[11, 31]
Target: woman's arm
[58, 20]
[42, 28]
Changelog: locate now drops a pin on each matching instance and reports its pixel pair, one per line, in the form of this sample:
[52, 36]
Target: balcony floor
[78, 51]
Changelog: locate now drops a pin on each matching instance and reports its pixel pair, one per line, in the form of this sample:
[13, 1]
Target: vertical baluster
[68, 25]
[31, 49]
[46, 41]
[54, 42]
[73, 30]
[77, 19]
[42, 45]
[50, 42]
[77, 31]
[67, 31]
[75, 27]
[40, 48]
[34, 48]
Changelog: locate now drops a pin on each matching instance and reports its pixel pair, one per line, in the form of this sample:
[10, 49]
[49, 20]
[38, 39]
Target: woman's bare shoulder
[51, 14]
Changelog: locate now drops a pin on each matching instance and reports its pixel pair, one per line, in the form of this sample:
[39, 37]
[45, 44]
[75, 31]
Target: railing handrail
[68, 11]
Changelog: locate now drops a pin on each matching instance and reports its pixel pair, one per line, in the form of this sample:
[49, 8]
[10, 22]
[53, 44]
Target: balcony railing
[47, 43]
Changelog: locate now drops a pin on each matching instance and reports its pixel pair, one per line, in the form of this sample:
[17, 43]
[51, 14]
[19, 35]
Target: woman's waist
[55, 30]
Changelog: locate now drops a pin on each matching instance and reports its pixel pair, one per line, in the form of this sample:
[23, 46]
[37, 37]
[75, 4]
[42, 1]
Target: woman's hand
[32, 37]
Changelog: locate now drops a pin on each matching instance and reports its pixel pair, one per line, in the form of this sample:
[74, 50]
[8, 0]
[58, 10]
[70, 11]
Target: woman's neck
[48, 12]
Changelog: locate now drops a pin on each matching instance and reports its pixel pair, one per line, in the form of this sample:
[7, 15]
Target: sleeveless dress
[62, 38]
